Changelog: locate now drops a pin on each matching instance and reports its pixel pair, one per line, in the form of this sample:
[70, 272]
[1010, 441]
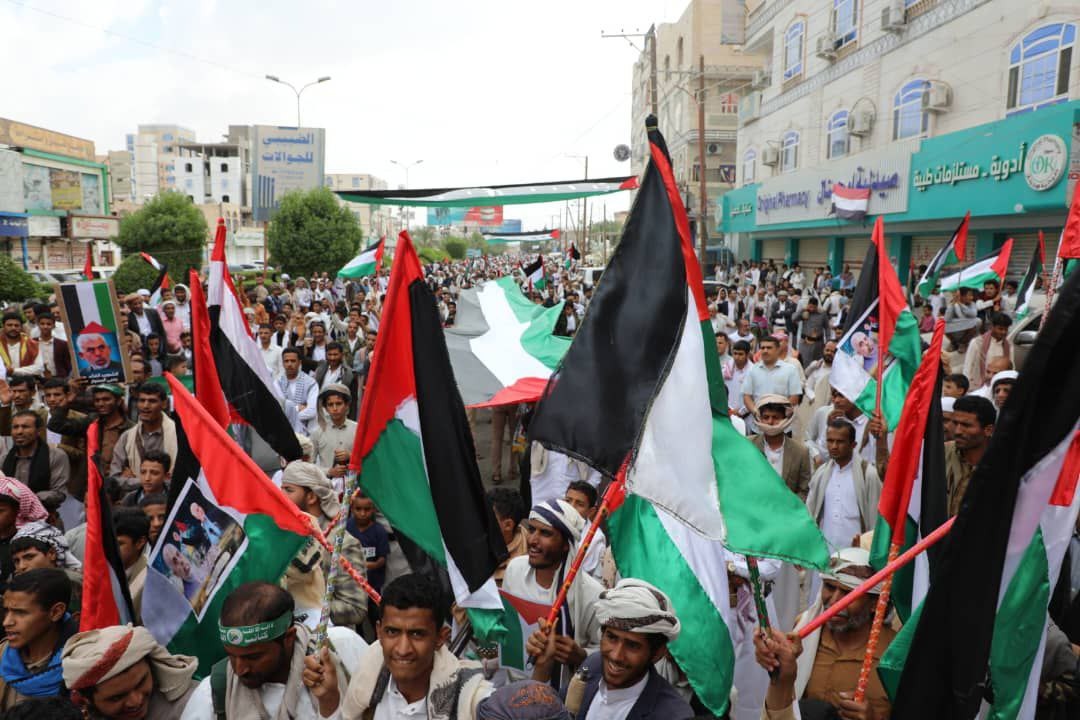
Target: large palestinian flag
[528, 236]
[913, 500]
[228, 524]
[366, 263]
[991, 267]
[987, 606]
[878, 319]
[489, 195]
[952, 253]
[249, 388]
[501, 344]
[645, 361]
[414, 449]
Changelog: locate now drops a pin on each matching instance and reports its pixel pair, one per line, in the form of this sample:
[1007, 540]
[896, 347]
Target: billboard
[28, 136]
[490, 216]
[284, 159]
[11, 182]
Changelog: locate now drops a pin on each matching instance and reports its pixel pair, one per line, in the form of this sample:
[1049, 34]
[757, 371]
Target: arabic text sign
[1042, 164]
[285, 159]
[27, 136]
[81, 226]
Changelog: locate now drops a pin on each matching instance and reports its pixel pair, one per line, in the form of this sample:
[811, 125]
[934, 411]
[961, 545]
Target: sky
[482, 91]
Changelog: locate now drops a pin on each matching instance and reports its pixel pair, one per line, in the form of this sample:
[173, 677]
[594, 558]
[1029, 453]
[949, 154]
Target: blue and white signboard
[284, 159]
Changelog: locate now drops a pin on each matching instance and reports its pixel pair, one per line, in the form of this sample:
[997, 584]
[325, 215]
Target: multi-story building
[213, 172]
[121, 174]
[375, 220]
[712, 29]
[937, 107]
[155, 148]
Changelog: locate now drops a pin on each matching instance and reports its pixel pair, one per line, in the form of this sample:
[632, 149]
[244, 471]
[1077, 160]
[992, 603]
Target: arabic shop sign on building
[1042, 166]
[285, 159]
[741, 209]
[807, 194]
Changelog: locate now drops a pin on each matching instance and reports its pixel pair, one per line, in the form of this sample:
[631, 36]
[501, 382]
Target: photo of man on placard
[99, 354]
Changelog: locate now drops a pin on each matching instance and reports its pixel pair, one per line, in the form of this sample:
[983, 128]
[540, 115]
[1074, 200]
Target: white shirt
[143, 322]
[272, 358]
[201, 704]
[612, 703]
[775, 457]
[394, 706]
[591, 563]
[45, 355]
[840, 518]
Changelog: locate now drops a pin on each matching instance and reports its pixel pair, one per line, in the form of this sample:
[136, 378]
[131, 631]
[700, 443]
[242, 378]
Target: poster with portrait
[96, 331]
[198, 547]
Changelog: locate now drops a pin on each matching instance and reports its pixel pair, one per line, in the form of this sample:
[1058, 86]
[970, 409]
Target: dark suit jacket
[657, 701]
[797, 468]
[62, 358]
[155, 326]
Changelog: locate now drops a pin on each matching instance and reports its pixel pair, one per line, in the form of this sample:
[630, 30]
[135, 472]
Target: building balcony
[762, 16]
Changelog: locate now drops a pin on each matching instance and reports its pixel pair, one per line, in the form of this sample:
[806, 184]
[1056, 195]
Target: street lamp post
[405, 166]
[275, 78]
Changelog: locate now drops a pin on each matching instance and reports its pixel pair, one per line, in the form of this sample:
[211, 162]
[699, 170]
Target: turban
[307, 475]
[782, 401]
[336, 389]
[523, 700]
[30, 507]
[562, 516]
[45, 533]
[850, 567]
[636, 606]
[1008, 376]
[90, 658]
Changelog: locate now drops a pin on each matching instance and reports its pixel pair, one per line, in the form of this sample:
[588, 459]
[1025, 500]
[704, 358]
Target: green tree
[431, 254]
[168, 227]
[16, 283]
[424, 236]
[311, 232]
[133, 273]
[455, 247]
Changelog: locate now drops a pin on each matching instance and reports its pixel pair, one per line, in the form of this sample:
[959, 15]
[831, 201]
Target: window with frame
[845, 21]
[909, 118]
[789, 151]
[749, 165]
[1039, 68]
[839, 142]
[793, 50]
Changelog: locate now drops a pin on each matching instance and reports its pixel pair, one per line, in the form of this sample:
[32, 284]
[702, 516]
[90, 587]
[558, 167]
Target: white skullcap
[1004, 375]
[850, 567]
[947, 403]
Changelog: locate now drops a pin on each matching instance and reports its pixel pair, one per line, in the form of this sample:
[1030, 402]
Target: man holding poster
[90, 313]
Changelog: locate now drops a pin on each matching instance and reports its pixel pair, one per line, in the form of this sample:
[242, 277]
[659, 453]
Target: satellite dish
[622, 153]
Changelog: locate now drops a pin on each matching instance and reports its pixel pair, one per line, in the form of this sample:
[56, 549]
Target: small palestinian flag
[366, 263]
[990, 267]
[490, 195]
[980, 634]
[1031, 280]
[414, 448]
[952, 253]
[572, 255]
[534, 274]
[531, 236]
[161, 282]
[502, 345]
[228, 524]
[850, 203]
[522, 619]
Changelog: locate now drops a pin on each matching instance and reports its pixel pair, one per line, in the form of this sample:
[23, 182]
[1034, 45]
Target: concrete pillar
[792, 256]
[836, 255]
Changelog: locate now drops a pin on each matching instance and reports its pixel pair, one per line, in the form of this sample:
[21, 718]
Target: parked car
[1022, 335]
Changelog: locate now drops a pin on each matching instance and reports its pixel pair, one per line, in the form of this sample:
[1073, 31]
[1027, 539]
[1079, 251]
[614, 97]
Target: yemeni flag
[990, 267]
[207, 382]
[1031, 279]
[980, 634]
[952, 253]
[88, 266]
[249, 530]
[414, 449]
[246, 381]
[913, 499]
[649, 367]
[491, 195]
[528, 236]
[534, 274]
[501, 345]
[878, 318]
[106, 600]
[849, 203]
[161, 282]
[366, 263]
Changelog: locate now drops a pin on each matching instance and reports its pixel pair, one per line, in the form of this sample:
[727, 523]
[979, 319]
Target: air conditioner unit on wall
[894, 16]
[826, 47]
[937, 97]
[770, 156]
[862, 123]
[762, 79]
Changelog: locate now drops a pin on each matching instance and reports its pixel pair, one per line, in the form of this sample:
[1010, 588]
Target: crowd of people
[776, 331]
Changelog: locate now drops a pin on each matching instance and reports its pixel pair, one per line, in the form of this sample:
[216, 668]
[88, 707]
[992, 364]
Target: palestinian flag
[532, 236]
[534, 274]
[161, 282]
[228, 524]
[106, 600]
[650, 369]
[991, 267]
[572, 255]
[501, 345]
[1031, 280]
[249, 388]
[952, 253]
[88, 266]
[414, 449]
[878, 304]
[913, 499]
[522, 619]
[849, 203]
[987, 606]
[490, 195]
[366, 263]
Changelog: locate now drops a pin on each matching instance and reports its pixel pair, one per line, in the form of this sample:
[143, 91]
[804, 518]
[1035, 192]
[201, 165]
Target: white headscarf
[45, 533]
[636, 606]
[562, 516]
[310, 476]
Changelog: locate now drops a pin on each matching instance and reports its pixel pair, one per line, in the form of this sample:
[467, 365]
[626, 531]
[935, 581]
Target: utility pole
[654, 91]
[584, 215]
[703, 232]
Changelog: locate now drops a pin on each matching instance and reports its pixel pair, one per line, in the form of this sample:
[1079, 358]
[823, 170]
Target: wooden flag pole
[875, 579]
[875, 629]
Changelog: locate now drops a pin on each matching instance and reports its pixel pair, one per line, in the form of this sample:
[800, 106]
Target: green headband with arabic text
[245, 635]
